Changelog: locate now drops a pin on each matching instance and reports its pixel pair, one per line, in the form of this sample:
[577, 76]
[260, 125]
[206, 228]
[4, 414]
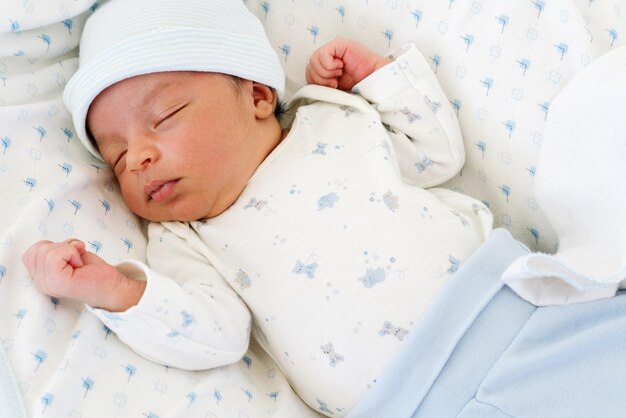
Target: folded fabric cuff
[543, 280]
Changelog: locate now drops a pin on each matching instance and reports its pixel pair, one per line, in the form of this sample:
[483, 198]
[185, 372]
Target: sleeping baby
[326, 239]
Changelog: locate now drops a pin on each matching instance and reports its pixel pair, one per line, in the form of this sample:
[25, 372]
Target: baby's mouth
[159, 191]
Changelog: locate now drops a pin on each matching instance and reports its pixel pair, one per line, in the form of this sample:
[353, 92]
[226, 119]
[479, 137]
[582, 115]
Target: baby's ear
[265, 100]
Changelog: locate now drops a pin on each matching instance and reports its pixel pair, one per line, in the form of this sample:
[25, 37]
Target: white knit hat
[125, 38]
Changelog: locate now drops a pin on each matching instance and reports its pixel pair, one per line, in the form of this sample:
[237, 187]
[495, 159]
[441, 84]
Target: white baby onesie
[335, 245]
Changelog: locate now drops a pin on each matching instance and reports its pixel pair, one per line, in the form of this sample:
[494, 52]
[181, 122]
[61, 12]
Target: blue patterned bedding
[501, 64]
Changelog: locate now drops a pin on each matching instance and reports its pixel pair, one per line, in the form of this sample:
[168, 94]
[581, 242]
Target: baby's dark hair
[279, 110]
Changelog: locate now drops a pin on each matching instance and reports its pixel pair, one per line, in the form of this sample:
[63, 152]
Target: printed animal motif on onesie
[423, 165]
[327, 201]
[329, 350]
[188, 319]
[323, 407]
[390, 329]
[348, 110]
[391, 201]
[454, 264]
[373, 276]
[320, 149]
[242, 279]
[410, 116]
[305, 269]
[434, 106]
[387, 147]
[256, 204]
[461, 218]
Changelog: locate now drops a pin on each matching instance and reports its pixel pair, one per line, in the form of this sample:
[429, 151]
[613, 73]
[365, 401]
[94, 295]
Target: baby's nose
[141, 154]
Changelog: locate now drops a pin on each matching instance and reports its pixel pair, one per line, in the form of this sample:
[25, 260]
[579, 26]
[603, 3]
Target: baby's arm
[66, 270]
[421, 122]
[189, 317]
[185, 316]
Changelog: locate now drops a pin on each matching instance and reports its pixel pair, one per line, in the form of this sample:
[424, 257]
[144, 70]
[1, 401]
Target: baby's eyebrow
[151, 96]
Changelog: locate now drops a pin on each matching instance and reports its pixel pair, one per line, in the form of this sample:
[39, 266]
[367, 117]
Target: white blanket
[581, 186]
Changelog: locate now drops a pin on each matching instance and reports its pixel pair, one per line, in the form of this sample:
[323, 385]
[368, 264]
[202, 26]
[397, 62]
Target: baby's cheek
[133, 200]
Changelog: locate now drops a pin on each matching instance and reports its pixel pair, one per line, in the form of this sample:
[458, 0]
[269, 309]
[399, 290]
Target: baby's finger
[317, 75]
[328, 57]
[334, 68]
[78, 244]
[74, 255]
[313, 78]
[60, 257]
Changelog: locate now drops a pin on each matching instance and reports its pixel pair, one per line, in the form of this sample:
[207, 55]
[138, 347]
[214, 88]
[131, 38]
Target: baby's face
[181, 143]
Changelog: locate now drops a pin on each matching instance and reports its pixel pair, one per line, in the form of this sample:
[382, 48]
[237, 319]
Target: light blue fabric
[11, 404]
[482, 351]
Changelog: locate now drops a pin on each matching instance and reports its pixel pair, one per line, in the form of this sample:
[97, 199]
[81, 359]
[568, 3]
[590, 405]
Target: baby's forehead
[151, 85]
[150, 81]
[139, 91]
[138, 94]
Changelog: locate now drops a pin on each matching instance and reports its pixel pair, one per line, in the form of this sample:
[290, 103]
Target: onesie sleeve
[188, 317]
[421, 122]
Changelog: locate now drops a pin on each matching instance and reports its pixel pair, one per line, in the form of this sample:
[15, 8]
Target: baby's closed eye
[118, 161]
[167, 114]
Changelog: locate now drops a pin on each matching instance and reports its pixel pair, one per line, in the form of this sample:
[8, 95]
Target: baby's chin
[172, 216]
[183, 210]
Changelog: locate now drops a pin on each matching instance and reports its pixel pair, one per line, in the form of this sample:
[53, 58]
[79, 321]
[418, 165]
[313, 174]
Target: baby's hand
[66, 270]
[342, 63]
